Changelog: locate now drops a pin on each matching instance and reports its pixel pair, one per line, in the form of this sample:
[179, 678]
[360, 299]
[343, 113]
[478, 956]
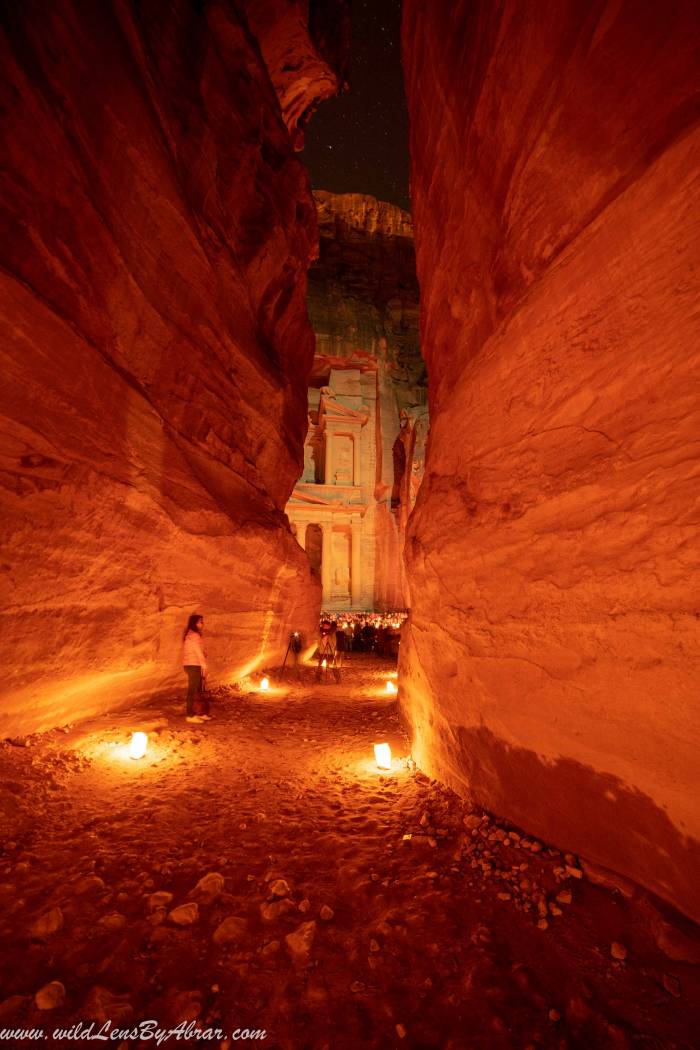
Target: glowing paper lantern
[391, 688]
[382, 756]
[264, 685]
[324, 663]
[139, 743]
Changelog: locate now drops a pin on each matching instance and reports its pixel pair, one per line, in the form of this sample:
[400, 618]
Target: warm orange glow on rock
[550, 668]
[181, 305]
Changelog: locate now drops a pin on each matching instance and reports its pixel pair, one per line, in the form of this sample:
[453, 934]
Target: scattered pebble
[280, 888]
[103, 1005]
[161, 899]
[184, 914]
[271, 910]
[208, 888]
[50, 922]
[676, 944]
[50, 996]
[299, 942]
[113, 921]
[88, 884]
[232, 929]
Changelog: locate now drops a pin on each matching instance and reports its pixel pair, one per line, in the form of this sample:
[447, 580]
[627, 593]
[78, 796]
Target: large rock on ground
[156, 231]
[552, 663]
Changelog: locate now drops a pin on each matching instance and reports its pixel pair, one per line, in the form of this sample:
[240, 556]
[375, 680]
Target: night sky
[358, 143]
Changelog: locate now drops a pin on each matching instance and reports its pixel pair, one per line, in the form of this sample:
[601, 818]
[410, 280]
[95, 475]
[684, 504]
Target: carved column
[328, 473]
[356, 458]
[301, 533]
[326, 529]
[356, 563]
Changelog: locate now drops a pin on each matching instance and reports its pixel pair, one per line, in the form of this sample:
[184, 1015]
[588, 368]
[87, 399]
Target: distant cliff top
[362, 213]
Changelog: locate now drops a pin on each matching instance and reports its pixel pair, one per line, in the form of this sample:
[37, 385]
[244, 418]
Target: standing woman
[194, 661]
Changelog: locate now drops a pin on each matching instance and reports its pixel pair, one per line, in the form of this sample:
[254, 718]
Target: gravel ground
[259, 872]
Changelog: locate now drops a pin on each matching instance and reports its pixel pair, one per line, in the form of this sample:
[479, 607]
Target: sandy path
[326, 927]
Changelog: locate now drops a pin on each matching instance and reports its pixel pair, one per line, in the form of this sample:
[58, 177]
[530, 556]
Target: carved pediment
[332, 497]
[332, 410]
[300, 496]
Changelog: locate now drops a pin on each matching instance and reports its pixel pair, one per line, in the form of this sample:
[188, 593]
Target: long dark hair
[193, 624]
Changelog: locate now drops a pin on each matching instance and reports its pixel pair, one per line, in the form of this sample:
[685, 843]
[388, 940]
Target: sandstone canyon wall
[363, 305]
[156, 229]
[552, 662]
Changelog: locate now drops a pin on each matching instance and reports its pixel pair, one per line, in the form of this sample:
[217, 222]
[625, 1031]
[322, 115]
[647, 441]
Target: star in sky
[358, 143]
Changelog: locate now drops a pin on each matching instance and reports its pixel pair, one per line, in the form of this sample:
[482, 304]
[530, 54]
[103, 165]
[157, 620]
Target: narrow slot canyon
[350, 364]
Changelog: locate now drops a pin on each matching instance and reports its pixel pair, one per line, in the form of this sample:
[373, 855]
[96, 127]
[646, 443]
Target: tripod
[328, 660]
[294, 645]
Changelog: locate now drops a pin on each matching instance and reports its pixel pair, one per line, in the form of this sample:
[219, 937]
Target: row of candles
[382, 752]
[139, 746]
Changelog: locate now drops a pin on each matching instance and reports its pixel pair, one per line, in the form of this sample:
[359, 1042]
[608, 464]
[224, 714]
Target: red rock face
[552, 665]
[156, 231]
[306, 45]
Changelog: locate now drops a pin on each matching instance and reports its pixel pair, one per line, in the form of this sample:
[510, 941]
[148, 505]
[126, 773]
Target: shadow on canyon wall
[612, 821]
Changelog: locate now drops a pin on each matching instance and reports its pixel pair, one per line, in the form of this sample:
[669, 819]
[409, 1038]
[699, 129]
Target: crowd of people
[378, 633]
[343, 633]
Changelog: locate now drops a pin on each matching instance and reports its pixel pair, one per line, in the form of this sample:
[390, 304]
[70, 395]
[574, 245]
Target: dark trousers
[194, 684]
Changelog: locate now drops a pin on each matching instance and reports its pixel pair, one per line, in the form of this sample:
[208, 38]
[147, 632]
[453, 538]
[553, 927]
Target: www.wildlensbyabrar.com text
[107, 1032]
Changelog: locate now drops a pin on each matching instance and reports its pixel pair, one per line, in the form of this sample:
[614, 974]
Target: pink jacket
[193, 654]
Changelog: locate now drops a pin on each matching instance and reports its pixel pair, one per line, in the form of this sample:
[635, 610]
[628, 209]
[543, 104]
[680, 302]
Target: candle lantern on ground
[382, 756]
[138, 745]
[264, 685]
